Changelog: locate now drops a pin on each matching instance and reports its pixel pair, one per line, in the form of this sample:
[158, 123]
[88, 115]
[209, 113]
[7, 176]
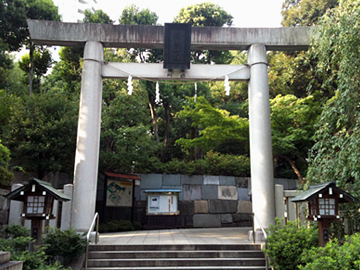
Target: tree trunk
[167, 129]
[31, 74]
[154, 116]
[296, 170]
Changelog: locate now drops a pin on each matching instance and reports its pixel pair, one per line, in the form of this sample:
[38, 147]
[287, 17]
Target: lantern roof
[41, 185]
[319, 188]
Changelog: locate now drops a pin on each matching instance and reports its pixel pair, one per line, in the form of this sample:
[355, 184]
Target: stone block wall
[4, 208]
[204, 201]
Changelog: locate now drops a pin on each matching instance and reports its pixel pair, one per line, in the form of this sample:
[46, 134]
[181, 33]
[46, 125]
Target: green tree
[293, 72]
[132, 15]
[335, 155]
[216, 127]
[305, 12]
[66, 74]
[39, 10]
[98, 16]
[206, 14]
[126, 144]
[5, 174]
[13, 31]
[42, 134]
[293, 128]
[42, 61]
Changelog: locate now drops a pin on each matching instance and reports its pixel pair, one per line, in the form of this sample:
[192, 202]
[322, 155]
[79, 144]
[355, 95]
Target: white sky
[246, 13]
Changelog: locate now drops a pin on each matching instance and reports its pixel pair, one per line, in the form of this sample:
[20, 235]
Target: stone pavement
[232, 235]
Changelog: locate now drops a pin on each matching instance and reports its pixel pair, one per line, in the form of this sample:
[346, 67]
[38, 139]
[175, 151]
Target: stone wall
[205, 201]
[4, 207]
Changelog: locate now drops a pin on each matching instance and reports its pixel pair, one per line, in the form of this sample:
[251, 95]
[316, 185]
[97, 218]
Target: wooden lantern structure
[38, 197]
[323, 204]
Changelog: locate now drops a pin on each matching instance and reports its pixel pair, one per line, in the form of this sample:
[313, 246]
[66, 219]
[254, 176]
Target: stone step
[175, 262]
[12, 266]
[183, 268]
[176, 254]
[175, 247]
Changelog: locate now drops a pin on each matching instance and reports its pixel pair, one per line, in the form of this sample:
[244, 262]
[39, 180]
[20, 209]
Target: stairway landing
[231, 235]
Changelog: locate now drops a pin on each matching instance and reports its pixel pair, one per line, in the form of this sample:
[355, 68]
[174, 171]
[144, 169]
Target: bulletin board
[119, 193]
[162, 203]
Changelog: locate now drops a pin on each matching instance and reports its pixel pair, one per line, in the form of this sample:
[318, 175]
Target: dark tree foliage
[305, 12]
[207, 14]
[335, 155]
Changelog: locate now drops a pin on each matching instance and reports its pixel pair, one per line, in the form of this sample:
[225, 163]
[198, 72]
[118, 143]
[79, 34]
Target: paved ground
[177, 236]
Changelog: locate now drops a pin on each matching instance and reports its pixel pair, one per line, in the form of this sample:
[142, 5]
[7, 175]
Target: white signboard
[162, 204]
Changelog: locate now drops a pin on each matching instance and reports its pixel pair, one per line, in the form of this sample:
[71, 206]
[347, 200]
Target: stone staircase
[6, 264]
[166, 257]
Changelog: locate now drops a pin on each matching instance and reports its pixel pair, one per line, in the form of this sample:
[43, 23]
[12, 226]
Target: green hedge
[213, 163]
[119, 226]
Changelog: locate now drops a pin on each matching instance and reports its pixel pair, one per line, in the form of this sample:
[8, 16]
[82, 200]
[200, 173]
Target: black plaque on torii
[177, 44]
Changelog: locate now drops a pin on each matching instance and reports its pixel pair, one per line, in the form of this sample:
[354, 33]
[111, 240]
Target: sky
[246, 13]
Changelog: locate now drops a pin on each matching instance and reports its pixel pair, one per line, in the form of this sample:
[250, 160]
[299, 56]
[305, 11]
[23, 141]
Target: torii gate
[97, 36]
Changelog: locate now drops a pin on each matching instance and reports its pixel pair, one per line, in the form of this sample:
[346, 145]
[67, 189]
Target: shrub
[67, 244]
[333, 255]
[213, 163]
[14, 231]
[218, 164]
[117, 226]
[31, 260]
[16, 239]
[286, 243]
[17, 244]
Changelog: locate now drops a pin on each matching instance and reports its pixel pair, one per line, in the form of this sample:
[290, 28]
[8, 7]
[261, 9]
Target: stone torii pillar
[88, 138]
[262, 178]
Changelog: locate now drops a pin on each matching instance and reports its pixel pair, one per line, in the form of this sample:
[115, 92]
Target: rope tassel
[130, 86]
[227, 85]
[157, 98]
[195, 96]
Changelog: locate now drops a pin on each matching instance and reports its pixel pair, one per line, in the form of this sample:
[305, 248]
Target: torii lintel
[152, 37]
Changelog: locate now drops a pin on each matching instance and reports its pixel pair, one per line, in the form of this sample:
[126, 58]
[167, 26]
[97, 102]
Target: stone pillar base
[259, 236]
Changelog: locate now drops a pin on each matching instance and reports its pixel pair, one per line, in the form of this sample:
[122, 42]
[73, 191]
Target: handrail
[265, 236]
[95, 219]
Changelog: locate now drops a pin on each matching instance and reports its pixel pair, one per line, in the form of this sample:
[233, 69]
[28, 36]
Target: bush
[14, 231]
[333, 255]
[67, 244]
[117, 226]
[16, 239]
[31, 260]
[286, 243]
[213, 163]
[231, 165]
